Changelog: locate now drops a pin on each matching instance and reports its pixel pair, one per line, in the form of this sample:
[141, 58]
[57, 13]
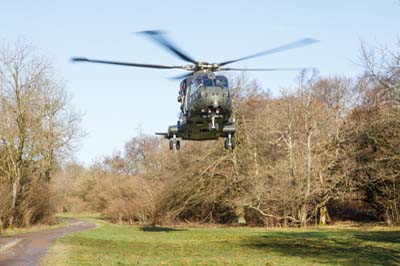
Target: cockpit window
[221, 81]
[205, 81]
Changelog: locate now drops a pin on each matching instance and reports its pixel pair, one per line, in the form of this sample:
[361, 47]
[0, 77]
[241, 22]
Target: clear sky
[117, 101]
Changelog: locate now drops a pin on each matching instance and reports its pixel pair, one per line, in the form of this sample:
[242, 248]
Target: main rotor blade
[181, 76]
[159, 37]
[83, 59]
[265, 69]
[292, 45]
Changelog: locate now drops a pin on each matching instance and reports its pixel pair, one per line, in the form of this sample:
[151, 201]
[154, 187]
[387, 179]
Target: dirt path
[27, 249]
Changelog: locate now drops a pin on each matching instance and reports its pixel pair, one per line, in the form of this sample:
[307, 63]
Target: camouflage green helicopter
[205, 98]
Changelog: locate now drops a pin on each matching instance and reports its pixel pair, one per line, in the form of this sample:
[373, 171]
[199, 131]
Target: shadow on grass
[160, 229]
[345, 248]
[385, 236]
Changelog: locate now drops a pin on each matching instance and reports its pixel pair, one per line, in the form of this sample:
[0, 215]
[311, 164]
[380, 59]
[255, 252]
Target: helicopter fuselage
[206, 108]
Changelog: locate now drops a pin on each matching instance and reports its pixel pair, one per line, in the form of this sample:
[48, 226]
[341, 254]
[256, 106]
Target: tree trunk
[388, 218]
[309, 165]
[303, 215]
[324, 217]
[239, 211]
[14, 195]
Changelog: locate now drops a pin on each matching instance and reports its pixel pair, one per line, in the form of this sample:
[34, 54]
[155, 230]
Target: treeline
[326, 150]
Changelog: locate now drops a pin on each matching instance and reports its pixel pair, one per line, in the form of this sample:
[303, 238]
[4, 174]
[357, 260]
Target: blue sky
[119, 101]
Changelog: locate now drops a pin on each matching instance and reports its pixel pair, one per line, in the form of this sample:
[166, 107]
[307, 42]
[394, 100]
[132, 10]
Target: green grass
[132, 245]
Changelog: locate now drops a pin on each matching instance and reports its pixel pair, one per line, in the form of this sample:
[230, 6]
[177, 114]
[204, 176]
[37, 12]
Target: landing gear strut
[230, 142]
[174, 143]
[213, 125]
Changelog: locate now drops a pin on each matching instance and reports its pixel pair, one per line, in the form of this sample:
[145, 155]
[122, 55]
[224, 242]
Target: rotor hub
[206, 66]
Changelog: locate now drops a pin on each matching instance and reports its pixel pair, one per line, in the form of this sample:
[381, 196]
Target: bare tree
[380, 85]
[37, 126]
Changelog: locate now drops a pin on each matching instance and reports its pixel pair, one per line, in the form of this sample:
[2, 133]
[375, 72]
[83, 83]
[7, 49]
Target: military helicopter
[205, 97]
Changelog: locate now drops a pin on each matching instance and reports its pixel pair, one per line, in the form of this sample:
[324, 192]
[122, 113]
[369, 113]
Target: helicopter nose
[215, 103]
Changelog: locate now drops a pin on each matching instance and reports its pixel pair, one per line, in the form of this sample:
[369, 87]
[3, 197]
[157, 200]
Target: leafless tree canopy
[37, 128]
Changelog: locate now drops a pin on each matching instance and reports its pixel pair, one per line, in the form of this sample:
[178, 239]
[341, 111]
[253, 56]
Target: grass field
[132, 245]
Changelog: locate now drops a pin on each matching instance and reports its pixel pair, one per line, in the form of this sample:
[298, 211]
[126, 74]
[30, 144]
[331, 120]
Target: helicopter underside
[202, 128]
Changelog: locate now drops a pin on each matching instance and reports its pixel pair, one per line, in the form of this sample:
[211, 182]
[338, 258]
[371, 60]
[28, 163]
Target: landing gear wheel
[226, 144]
[229, 142]
[174, 143]
[233, 144]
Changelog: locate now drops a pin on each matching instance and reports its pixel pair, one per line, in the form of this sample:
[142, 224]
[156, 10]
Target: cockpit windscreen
[205, 81]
